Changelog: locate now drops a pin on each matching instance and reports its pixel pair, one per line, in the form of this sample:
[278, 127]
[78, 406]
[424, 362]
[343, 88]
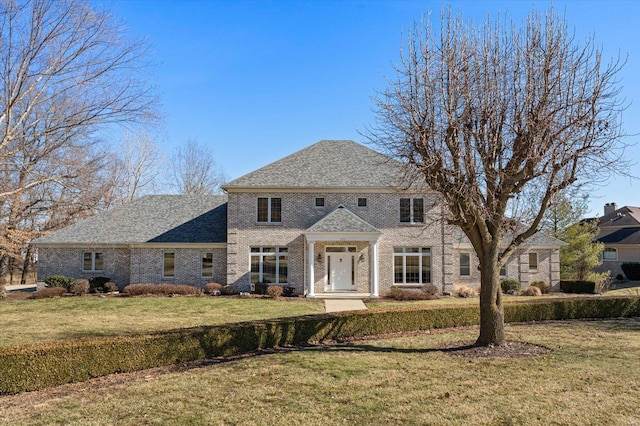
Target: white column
[311, 259]
[374, 269]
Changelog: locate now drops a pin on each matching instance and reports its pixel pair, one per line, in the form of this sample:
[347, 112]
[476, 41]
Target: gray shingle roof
[326, 164]
[342, 220]
[624, 216]
[538, 239]
[151, 219]
[630, 236]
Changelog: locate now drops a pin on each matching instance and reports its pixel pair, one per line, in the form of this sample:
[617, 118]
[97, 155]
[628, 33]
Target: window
[92, 261]
[270, 210]
[319, 202]
[465, 264]
[411, 210]
[168, 265]
[411, 265]
[362, 202]
[269, 265]
[503, 271]
[207, 265]
[533, 261]
[610, 254]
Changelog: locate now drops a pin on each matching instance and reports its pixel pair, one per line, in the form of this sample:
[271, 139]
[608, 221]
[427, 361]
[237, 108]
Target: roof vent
[341, 206]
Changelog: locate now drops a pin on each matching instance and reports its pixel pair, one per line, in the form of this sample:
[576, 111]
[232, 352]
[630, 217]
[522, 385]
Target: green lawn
[590, 377]
[30, 321]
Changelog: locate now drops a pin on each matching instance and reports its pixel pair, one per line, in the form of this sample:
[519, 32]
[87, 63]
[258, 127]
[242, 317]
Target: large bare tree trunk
[491, 310]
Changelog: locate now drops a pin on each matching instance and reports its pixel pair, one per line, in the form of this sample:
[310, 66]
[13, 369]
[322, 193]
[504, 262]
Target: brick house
[620, 234]
[334, 219]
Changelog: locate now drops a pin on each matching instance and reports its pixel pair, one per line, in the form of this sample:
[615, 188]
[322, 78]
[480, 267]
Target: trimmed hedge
[32, 367]
[631, 270]
[578, 287]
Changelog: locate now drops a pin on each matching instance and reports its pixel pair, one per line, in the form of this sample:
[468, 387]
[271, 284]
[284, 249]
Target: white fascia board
[342, 236]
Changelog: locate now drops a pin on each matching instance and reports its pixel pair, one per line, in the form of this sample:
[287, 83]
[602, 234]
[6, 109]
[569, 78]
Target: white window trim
[277, 255]
[315, 201]
[269, 221]
[537, 263]
[610, 250]
[93, 261]
[202, 275]
[169, 277]
[411, 211]
[460, 264]
[420, 255]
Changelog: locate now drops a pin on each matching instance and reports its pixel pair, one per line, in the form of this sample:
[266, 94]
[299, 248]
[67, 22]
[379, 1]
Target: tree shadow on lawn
[599, 324]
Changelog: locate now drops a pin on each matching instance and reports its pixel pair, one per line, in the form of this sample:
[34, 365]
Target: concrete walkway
[28, 287]
[339, 305]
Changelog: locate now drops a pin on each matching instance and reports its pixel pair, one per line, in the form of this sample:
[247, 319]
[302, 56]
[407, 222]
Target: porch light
[361, 258]
[319, 257]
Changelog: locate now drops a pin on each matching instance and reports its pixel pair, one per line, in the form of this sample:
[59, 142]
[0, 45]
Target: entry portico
[342, 256]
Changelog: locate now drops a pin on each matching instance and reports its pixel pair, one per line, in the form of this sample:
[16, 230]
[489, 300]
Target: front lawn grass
[32, 321]
[590, 377]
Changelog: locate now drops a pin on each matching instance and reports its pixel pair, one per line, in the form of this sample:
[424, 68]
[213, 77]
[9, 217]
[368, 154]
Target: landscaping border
[37, 366]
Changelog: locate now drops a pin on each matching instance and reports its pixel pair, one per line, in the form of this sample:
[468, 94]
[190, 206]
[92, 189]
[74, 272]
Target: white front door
[341, 273]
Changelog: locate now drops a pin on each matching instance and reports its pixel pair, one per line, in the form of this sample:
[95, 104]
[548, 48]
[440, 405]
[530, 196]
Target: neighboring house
[335, 219]
[620, 233]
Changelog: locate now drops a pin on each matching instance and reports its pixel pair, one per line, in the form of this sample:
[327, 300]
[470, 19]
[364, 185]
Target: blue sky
[257, 80]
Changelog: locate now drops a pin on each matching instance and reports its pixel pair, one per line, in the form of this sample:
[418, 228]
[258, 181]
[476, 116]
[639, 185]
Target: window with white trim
[92, 261]
[610, 254]
[411, 265]
[207, 265]
[362, 202]
[168, 265]
[533, 261]
[269, 265]
[269, 210]
[465, 264]
[411, 210]
[503, 271]
[319, 202]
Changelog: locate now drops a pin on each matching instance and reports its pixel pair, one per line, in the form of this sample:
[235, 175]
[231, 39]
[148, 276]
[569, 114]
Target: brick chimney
[610, 208]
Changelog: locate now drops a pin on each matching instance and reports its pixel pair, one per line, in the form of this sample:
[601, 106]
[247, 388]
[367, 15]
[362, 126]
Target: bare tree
[66, 74]
[195, 170]
[136, 166]
[500, 116]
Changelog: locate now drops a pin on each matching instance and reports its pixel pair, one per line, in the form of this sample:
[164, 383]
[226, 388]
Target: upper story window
[411, 210]
[610, 254]
[207, 265]
[319, 202]
[269, 210]
[533, 261]
[168, 265]
[465, 264]
[92, 261]
[363, 202]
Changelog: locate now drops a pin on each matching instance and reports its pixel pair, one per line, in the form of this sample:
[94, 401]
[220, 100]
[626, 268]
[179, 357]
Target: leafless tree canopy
[195, 170]
[500, 116]
[66, 72]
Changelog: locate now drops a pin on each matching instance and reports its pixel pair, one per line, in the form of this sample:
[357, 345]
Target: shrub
[631, 270]
[398, 293]
[59, 281]
[287, 290]
[274, 291]
[80, 287]
[543, 286]
[97, 284]
[161, 290]
[620, 277]
[464, 291]
[531, 291]
[261, 288]
[510, 286]
[37, 366]
[48, 293]
[111, 287]
[214, 289]
[578, 287]
[431, 290]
